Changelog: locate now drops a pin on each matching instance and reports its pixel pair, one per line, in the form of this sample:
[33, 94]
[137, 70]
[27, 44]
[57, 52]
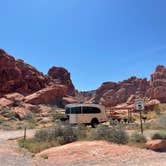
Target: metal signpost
[139, 106]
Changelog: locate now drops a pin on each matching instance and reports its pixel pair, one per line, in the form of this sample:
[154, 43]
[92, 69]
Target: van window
[73, 110]
[91, 110]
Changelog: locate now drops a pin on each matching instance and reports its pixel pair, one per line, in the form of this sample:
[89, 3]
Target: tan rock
[14, 96]
[156, 144]
[5, 102]
[20, 112]
[49, 95]
[69, 100]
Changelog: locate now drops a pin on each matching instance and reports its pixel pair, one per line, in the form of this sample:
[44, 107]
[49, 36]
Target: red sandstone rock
[49, 95]
[14, 97]
[156, 144]
[69, 100]
[17, 76]
[157, 88]
[111, 94]
[63, 76]
[5, 102]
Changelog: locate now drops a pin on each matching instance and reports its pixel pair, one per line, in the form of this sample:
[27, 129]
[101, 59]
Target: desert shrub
[113, 134]
[35, 146]
[137, 138]
[7, 112]
[29, 115]
[68, 135]
[81, 132]
[118, 135]
[147, 125]
[161, 122]
[159, 135]
[101, 132]
[44, 156]
[57, 116]
[59, 133]
[157, 109]
[41, 135]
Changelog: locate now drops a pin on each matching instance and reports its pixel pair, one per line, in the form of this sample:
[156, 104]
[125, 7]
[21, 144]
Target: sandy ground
[85, 153]
[102, 153]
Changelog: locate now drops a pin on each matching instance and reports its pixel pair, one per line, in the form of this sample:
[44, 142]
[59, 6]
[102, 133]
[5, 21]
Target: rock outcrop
[19, 78]
[111, 93]
[61, 75]
[157, 88]
[49, 95]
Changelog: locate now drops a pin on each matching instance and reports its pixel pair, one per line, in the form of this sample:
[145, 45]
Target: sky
[95, 40]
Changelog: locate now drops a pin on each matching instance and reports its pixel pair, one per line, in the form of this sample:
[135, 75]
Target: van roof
[83, 105]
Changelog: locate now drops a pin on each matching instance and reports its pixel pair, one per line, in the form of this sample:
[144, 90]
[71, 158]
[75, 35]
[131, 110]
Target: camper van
[85, 114]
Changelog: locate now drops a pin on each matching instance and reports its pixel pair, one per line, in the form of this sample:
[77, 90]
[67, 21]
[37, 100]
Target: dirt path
[10, 153]
[6, 135]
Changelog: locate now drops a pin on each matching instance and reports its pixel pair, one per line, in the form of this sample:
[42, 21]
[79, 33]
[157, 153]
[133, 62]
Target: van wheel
[94, 123]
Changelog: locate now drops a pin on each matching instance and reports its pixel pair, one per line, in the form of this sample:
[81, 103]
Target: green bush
[57, 116]
[161, 122]
[159, 136]
[137, 138]
[81, 132]
[41, 135]
[29, 115]
[65, 134]
[114, 134]
[35, 146]
[157, 109]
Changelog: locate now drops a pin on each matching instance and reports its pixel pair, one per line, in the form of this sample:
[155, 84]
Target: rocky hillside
[112, 93]
[57, 88]
[36, 88]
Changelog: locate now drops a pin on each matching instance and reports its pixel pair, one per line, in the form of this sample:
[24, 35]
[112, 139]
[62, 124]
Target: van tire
[94, 122]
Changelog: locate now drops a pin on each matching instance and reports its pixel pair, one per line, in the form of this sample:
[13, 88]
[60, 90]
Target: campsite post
[139, 105]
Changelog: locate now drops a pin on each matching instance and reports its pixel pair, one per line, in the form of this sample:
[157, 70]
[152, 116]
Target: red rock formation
[17, 76]
[157, 88]
[62, 76]
[69, 100]
[111, 93]
[49, 95]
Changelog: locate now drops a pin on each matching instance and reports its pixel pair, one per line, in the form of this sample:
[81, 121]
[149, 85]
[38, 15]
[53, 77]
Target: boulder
[157, 145]
[49, 95]
[14, 97]
[69, 100]
[20, 112]
[5, 102]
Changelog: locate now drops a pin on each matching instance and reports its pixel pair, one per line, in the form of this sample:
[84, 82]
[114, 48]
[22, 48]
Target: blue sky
[96, 40]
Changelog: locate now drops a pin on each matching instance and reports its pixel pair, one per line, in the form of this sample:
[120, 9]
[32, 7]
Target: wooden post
[25, 132]
[141, 122]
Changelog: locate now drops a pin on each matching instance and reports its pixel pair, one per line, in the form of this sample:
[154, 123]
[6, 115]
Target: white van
[86, 114]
